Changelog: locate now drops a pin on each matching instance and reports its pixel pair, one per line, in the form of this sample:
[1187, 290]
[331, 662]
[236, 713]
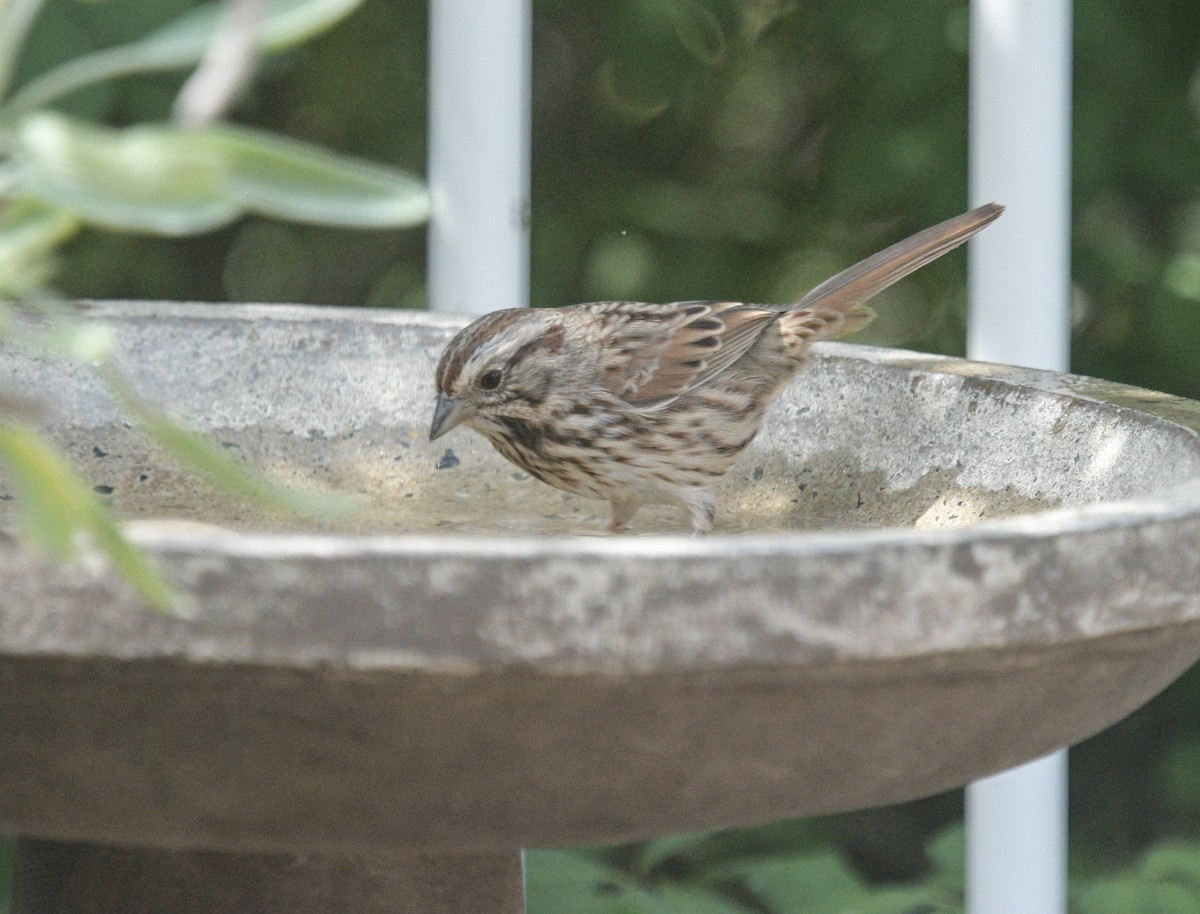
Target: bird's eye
[491, 379]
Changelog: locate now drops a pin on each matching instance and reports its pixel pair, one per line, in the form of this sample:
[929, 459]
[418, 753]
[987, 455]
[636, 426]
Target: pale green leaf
[179, 44]
[86, 342]
[60, 514]
[133, 565]
[298, 181]
[28, 226]
[285, 23]
[16, 18]
[153, 179]
[29, 234]
[173, 180]
[45, 487]
[199, 453]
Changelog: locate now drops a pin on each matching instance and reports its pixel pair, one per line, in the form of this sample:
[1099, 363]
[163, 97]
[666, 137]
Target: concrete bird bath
[924, 571]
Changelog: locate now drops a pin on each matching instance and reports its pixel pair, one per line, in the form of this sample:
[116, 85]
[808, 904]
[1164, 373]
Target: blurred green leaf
[760, 15]
[1182, 276]
[634, 104]
[691, 900]
[819, 883]
[202, 455]
[1134, 895]
[60, 514]
[562, 881]
[1173, 861]
[174, 181]
[576, 867]
[698, 30]
[90, 343]
[298, 181]
[947, 852]
[30, 232]
[179, 44]
[151, 179]
[1177, 774]
[16, 17]
[285, 23]
[50, 328]
[52, 499]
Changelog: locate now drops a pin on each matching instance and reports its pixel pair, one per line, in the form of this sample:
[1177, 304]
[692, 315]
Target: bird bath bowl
[924, 571]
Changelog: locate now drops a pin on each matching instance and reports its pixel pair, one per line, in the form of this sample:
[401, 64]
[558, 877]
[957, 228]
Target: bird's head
[498, 366]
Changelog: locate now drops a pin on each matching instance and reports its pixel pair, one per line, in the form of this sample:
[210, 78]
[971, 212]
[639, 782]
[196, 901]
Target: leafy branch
[59, 174]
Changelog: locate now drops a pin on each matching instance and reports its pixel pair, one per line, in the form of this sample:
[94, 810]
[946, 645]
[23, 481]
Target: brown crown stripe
[463, 346]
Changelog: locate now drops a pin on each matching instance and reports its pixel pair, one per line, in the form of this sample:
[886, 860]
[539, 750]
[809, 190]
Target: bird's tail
[835, 307]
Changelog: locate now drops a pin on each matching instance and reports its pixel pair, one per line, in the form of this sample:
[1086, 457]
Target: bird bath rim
[775, 554]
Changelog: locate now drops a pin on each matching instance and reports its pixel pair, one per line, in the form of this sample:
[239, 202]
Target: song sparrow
[636, 403]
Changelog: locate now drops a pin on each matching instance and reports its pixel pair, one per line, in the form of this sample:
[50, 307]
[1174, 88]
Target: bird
[637, 403]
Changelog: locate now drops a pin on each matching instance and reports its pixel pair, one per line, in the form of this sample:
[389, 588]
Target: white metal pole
[1020, 314]
[479, 102]
[1020, 150]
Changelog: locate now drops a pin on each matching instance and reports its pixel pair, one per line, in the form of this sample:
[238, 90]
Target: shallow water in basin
[459, 485]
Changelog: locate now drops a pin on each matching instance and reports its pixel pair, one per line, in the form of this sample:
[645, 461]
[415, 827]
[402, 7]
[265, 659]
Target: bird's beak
[446, 415]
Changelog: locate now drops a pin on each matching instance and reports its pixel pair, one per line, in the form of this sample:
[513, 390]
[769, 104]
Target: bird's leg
[623, 510]
[702, 507]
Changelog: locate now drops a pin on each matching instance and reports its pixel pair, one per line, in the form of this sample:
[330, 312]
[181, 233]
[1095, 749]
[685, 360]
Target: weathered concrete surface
[969, 566]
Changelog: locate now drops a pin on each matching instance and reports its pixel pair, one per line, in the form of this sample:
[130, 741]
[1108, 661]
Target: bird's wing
[653, 354]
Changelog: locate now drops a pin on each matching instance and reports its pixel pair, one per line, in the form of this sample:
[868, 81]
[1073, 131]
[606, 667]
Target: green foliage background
[747, 149]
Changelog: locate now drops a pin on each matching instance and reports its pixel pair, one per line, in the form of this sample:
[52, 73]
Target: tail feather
[834, 308]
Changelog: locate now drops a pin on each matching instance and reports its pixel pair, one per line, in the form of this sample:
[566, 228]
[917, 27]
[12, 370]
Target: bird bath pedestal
[924, 571]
